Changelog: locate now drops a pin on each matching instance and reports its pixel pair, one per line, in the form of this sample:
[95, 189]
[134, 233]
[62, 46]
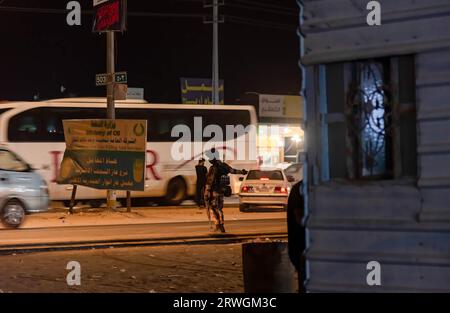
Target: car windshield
[265, 175]
[10, 162]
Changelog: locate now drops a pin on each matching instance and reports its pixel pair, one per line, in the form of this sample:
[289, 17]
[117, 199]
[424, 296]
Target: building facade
[280, 129]
[377, 116]
[280, 136]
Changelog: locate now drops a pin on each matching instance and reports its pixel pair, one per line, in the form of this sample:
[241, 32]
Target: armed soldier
[217, 187]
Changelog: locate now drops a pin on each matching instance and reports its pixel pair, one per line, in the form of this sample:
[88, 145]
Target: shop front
[280, 136]
[280, 144]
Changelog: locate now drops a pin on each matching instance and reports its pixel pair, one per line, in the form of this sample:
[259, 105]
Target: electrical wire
[262, 3]
[253, 5]
[267, 5]
[258, 23]
[233, 19]
[63, 11]
[247, 7]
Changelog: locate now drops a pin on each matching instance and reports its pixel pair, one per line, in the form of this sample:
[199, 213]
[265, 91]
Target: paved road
[115, 233]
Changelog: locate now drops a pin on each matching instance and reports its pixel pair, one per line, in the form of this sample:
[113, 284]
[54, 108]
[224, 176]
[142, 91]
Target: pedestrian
[202, 171]
[217, 187]
[297, 232]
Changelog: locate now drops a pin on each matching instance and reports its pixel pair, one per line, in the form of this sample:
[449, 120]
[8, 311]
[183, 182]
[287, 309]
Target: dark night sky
[39, 52]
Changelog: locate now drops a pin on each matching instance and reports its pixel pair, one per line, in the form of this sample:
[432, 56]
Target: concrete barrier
[267, 268]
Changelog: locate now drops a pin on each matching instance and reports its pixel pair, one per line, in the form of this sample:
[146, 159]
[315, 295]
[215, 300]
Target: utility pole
[215, 79]
[110, 70]
[111, 111]
[110, 17]
[216, 19]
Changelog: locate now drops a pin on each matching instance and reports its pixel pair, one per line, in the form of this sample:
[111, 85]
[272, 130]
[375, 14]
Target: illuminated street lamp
[297, 139]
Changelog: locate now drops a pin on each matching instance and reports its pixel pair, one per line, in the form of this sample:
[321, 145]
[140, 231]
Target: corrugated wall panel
[434, 136]
[348, 277]
[433, 93]
[379, 202]
[403, 226]
[336, 30]
[435, 166]
[433, 68]
[383, 245]
[327, 14]
[433, 102]
[436, 202]
[433, 90]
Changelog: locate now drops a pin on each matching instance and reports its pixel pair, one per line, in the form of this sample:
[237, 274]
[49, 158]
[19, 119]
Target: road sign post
[72, 199]
[110, 16]
[111, 197]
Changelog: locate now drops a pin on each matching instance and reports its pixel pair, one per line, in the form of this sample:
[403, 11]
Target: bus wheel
[95, 204]
[176, 191]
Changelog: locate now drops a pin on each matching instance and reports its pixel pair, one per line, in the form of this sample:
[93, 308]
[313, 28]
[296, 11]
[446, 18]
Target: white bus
[34, 131]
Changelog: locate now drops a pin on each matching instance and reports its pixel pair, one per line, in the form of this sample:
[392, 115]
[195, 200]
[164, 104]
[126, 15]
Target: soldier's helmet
[212, 155]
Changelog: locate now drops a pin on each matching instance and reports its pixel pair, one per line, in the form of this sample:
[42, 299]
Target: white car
[22, 190]
[265, 188]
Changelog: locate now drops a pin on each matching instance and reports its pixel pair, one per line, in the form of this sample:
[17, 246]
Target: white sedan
[264, 189]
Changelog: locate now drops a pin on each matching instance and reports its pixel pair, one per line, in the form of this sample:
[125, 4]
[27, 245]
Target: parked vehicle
[22, 190]
[264, 189]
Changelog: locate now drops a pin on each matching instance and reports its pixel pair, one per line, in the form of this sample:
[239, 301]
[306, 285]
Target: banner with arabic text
[104, 154]
[199, 91]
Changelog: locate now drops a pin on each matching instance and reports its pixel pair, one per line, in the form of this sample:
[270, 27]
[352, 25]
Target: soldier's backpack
[223, 180]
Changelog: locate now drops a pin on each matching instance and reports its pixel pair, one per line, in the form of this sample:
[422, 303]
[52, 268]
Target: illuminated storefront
[280, 137]
[278, 144]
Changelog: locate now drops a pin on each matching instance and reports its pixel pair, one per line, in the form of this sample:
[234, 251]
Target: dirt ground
[183, 268]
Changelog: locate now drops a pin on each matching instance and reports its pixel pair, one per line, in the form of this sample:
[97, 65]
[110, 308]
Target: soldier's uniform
[214, 198]
[214, 191]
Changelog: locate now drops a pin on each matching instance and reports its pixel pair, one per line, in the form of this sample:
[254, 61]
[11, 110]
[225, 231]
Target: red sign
[110, 16]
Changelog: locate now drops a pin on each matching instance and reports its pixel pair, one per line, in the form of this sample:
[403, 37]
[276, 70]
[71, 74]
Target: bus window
[138, 114]
[166, 120]
[24, 127]
[160, 122]
[45, 124]
[224, 118]
[53, 128]
[52, 119]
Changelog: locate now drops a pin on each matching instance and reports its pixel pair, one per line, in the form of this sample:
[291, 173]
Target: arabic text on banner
[104, 154]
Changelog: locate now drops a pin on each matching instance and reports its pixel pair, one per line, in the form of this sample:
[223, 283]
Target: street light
[297, 139]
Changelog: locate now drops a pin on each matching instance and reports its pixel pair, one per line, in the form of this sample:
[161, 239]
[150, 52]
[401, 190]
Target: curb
[88, 209]
[109, 244]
